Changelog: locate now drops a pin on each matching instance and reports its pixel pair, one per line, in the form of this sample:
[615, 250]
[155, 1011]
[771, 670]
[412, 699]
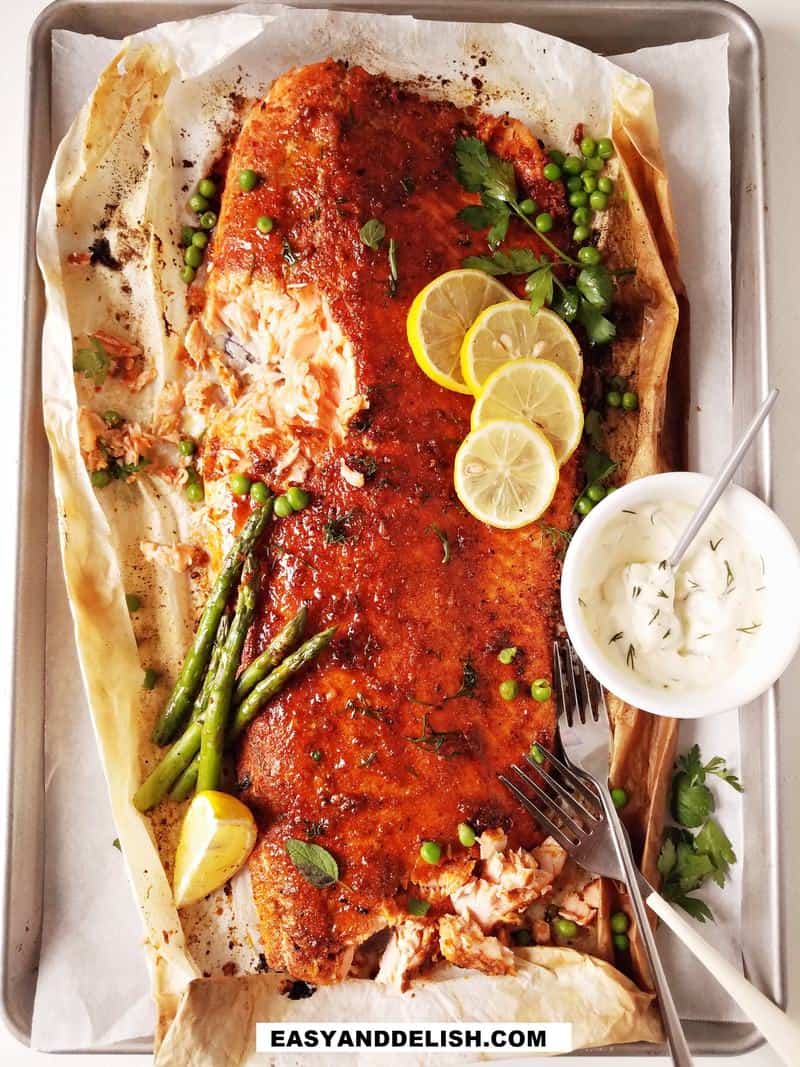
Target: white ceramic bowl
[762, 528]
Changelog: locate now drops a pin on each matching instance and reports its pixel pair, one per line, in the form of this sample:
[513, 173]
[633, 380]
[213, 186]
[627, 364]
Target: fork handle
[676, 1038]
[779, 1030]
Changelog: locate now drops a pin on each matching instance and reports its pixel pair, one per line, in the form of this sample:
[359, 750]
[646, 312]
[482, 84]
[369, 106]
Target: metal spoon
[722, 480]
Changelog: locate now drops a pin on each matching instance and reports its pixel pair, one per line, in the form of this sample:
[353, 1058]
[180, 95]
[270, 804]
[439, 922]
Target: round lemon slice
[506, 473]
[509, 331]
[217, 836]
[539, 392]
[440, 316]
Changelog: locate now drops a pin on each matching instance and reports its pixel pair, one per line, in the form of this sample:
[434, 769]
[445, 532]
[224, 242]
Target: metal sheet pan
[606, 26]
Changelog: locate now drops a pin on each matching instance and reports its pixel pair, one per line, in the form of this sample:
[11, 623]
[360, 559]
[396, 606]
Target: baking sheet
[718, 385]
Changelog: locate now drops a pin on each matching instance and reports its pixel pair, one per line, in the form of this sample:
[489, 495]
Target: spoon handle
[720, 483]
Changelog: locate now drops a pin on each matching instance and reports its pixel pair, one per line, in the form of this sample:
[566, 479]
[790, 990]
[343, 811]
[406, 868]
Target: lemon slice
[217, 836]
[440, 316]
[537, 391]
[506, 473]
[509, 331]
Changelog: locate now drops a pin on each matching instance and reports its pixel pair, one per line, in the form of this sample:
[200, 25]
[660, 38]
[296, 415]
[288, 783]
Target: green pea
[100, 479]
[506, 655]
[589, 181]
[588, 146]
[240, 484]
[208, 220]
[193, 256]
[536, 754]
[596, 493]
[528, 206]
[195, 492]
[541, 690]
[556, 156]
[466, 835]
[614, 398]
[620, 797]
[186, 446]
[598, 201]
[150, 679]
[264, 224]
[112, 418]
[198, 204]
[207, 188]
[316, 755]
[298, 498]
[605, 185]
[430, 851]
[581, 234]
[580, 198]
[259, 493]
[187, 233]
[605, 148]
[509, 689]
[132, 602]
[565, 928]
[573, 165]
[552, 172]
[544, 222]
[621, 942]
[595, 164]
[619, 923]
[618, 383]
[574, 184]
[630, 401]
[522, 937]
[583, 505]
[417, 907]
[200, 239]
[283, 509]
[582, 216]
[248, 180]
[187, 274]
[589, 256]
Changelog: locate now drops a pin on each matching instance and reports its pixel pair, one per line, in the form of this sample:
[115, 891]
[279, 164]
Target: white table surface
[779, 21]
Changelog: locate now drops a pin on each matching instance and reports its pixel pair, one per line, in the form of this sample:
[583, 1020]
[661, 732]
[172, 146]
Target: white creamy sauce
[684, 628]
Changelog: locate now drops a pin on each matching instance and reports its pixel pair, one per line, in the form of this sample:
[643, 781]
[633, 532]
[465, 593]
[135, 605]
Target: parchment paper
[96, 942]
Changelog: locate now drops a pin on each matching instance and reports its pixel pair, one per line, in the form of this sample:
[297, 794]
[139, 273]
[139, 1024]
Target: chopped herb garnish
[559, 539]
[116, 844]
[702, 637]
[469, 679]
[637, 589]
[751, 629]
[663, 593]
[729, 576]
[364, 464]
[616, 637]
[335, 529]
[444, 539]
[630, 658]
[440, 742]
[581, 603]
[627, 511]
[714, 545]
[314, 862]
[365, 761]
[372, 233]
[408, 185]
[359, 705]
[666, 634]
[393, 275]
[654, 616]
[662, 565]
[290, 257]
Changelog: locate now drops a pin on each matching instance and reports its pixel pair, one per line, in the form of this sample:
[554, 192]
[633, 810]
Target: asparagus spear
[217, 712]
[155, 786]
[250, 707]
[191, 675]
[280, 646]
[275, 652]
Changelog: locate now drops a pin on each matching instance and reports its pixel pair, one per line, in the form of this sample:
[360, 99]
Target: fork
[595, 838]
[583, 819]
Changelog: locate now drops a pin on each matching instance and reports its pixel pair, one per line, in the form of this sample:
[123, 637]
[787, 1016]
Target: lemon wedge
[508, 331]
[539, 392]
[506, 473]
[440, 316]
[217, 836]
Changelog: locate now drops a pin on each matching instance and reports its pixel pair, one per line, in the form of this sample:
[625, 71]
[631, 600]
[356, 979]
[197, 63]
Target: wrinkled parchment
[211, 58]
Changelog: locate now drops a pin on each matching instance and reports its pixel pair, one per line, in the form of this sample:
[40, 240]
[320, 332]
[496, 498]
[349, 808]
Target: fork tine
[565, 708]
[570, 651]
[575, 827]
[559, 787]
[566, 843]
[591, 705]
[575, 781]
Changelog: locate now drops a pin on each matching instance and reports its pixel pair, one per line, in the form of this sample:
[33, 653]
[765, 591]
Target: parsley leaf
[599, 329]
[314, 862]
[597, 466]
[593, 428]
[473, 163]
[92, 362]
[514, 261]
[539, 288]
[692, 801]
[566, 302]
[713, 842]
[372, 233]
[596, 286]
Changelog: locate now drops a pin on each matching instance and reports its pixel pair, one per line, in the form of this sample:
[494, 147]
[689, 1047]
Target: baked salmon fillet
[397, 733]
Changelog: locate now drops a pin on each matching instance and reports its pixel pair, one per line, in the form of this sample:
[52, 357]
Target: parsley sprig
[587, 301]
